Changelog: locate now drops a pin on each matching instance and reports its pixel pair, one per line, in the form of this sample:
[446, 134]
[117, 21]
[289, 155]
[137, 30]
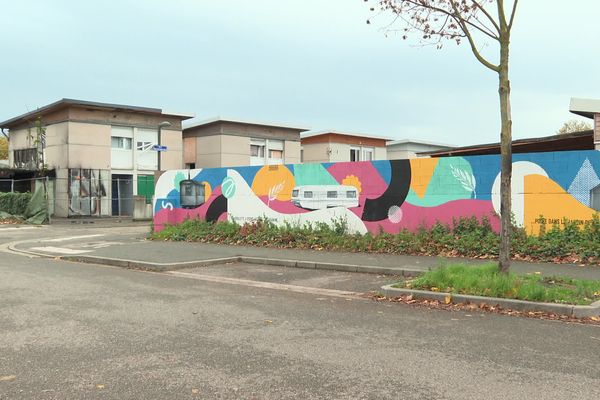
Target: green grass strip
[487, 281]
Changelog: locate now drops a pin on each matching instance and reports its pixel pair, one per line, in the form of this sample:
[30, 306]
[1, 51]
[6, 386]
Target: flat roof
[215, 120]
[585, 107]
[62, 103]
[583, 140]
[404, 141]
[343, 133]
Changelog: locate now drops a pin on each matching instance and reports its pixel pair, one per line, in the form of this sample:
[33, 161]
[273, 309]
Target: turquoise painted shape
[312, 174]
[452, 179]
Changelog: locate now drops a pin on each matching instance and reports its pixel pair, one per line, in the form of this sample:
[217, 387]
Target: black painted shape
[216, 208]
[395, 194]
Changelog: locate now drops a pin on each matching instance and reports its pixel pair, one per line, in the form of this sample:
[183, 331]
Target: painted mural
[393, 195]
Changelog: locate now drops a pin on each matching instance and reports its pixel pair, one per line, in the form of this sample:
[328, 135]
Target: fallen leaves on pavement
[449, 306]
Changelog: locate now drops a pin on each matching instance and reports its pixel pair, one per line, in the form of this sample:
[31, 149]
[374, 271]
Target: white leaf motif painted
[465, 178]
[274, 191]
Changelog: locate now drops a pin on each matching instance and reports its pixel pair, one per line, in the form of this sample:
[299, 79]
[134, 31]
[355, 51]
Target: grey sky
[309, 62]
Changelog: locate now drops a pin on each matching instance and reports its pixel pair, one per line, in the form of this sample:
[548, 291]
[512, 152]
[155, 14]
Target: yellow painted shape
[207, 189]
[421, 170]
[544, 197]
[352, 180]
[275, 181]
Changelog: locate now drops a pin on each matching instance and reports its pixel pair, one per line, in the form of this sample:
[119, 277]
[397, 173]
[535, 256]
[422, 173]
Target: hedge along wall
[14, 203]
[391, 195]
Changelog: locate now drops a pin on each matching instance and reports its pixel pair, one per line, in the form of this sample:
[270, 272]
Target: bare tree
[574, 125]
[435, 21]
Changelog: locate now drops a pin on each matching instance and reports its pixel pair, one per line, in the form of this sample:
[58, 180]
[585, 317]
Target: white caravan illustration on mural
[244, 206]
[317, 197]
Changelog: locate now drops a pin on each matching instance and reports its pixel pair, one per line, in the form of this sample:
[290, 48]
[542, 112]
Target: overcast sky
[312, 63]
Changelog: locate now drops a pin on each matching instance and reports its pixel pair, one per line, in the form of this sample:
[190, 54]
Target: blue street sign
[159, 148]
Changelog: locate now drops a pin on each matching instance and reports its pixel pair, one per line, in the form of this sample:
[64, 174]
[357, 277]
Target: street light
[163, 124]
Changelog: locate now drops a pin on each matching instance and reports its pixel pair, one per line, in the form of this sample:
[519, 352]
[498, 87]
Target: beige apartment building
[101, 154]
[336, 146]
[223, 142]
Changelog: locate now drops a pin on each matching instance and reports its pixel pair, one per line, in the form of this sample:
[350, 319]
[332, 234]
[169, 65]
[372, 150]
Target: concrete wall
[548, 188]
[173, 157]
[88, 146]
[235, 151]
[208, 152]
[336, 152]
[291, 152]
[315, 152]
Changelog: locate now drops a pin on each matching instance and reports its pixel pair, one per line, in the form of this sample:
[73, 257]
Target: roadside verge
[576, 311]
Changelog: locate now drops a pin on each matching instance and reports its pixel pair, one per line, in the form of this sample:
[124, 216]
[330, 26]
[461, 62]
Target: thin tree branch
[488, 15]
[512, 14]
[476, 53]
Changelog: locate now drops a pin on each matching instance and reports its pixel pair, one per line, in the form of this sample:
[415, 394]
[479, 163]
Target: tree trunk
[506, 156]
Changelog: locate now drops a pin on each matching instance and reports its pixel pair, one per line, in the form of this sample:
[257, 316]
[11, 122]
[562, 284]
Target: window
[257, 150]
[276, 154]
[354, 154]
[190, 165]
[308, 194]
[332, 194]
[144, 146]
[295, 193]
[25, 158]
[351, 194]
[118, 142]
[367, 154]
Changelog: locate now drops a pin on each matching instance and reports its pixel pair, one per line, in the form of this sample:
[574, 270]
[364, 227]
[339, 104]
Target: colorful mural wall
[386, 195]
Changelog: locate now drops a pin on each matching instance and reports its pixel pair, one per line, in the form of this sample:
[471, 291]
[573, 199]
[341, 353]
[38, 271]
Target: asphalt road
[76, 331]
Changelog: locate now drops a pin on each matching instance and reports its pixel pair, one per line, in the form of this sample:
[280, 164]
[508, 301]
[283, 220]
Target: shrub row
[465, 237]
[14, 203]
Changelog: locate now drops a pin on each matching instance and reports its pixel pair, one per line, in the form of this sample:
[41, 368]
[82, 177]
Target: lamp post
[163, 124]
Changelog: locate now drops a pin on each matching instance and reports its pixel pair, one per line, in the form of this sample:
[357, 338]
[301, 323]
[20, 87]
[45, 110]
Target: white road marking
[64, 239]
[61, 250]
[266, 285]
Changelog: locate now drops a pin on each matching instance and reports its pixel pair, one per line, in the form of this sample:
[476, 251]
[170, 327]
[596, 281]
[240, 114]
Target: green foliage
[14, 203]
[488, 281]
[3, 148]
[466, 237]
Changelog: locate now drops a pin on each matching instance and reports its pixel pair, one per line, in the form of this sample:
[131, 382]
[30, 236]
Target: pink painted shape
[414, 216]
[178, 215]
[372, 183]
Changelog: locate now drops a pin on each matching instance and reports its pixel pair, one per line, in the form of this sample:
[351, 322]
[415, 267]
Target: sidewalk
[179, 252]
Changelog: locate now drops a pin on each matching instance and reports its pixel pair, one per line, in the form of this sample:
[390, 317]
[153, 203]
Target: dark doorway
[122, 195]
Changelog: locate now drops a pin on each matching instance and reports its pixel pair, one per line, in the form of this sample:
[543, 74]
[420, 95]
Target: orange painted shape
[275, 181]
[544, 197]
[421, 170]
[352, 180]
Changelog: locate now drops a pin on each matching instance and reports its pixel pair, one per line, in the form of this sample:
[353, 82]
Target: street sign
[157, 147]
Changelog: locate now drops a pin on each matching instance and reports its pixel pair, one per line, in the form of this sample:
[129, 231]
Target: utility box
[141, 210]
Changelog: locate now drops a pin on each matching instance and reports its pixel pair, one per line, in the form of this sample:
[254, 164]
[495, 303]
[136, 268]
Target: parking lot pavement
[322, 279]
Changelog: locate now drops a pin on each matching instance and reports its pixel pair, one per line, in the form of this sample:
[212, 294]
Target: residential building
[226, 142]
[101, 154]
[408, 148]
[588, 108]
[336, 146]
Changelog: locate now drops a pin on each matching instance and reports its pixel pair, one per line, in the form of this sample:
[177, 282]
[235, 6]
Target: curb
[161, 267]
[147, 266]
[571, 310]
